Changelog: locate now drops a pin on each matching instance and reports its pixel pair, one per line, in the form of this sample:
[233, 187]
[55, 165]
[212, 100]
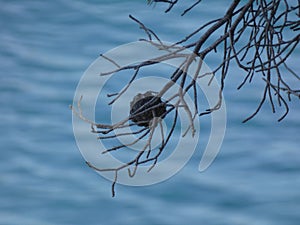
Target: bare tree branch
[259, 36]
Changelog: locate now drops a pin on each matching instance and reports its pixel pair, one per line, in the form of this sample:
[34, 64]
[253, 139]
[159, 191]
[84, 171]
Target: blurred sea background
[45, 47]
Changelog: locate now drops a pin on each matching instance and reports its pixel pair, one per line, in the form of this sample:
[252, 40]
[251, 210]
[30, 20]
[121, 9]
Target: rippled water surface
[45, 46]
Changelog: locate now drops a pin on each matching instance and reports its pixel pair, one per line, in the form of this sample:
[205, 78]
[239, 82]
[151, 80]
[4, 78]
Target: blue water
[45, 46]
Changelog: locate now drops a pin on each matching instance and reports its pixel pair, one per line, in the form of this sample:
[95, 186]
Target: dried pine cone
[139, 105]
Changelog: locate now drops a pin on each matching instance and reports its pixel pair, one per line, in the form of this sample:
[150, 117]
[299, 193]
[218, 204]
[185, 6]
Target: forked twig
[258, 36]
